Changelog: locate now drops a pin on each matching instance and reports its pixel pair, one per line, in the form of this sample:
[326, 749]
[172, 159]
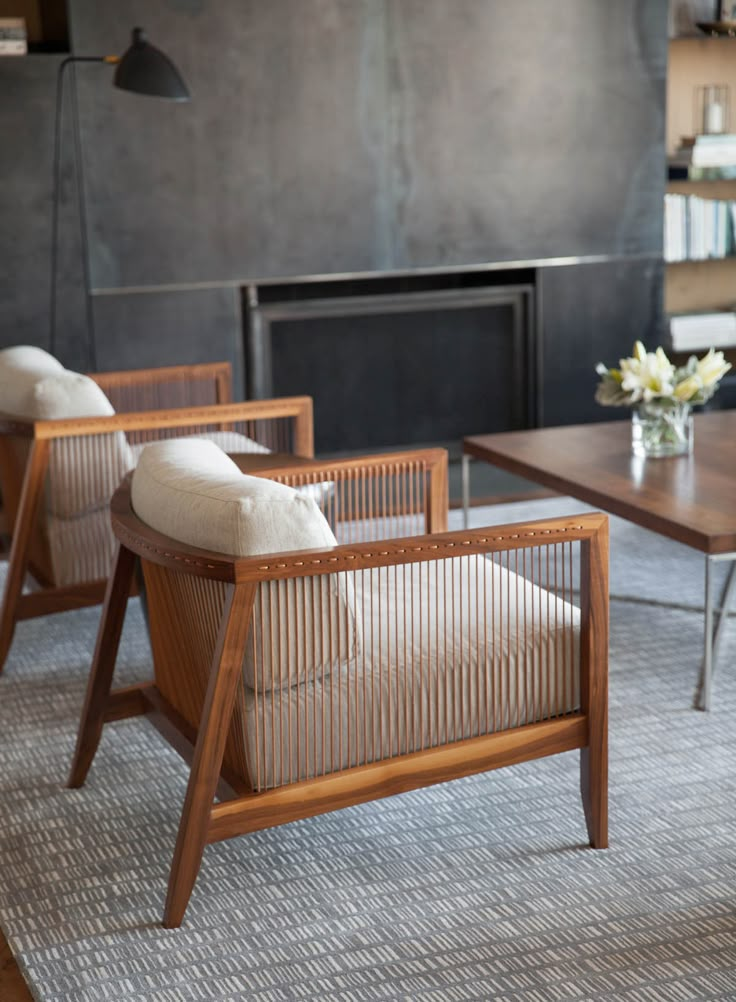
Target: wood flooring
[12, 986]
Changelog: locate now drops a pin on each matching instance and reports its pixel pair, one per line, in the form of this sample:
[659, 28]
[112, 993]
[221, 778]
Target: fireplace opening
[396, 363]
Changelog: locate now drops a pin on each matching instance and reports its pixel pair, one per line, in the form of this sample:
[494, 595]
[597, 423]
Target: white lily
[640, 352]
[650, 376]
[712, 367]
[647, 375]
[688, 388]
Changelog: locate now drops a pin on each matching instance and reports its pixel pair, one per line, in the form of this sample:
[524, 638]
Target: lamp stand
[78, 167]
[142, 69]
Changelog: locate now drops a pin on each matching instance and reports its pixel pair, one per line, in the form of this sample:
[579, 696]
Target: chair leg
[209, 750]
[28, 506]
[594, 790]
[8, 616]
[103, 665]
[594, 685]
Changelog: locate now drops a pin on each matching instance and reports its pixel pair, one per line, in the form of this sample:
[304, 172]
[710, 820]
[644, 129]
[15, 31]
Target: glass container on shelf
[712, 111]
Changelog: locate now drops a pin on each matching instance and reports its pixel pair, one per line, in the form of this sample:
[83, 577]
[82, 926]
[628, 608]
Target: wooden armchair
[299, 682]
[133, 390]
[57, 476]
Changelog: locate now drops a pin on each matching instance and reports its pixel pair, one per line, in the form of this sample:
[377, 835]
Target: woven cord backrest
[378, 497]
[167, 387]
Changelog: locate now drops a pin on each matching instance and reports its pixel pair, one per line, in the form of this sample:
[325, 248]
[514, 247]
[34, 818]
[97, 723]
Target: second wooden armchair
[58, 473]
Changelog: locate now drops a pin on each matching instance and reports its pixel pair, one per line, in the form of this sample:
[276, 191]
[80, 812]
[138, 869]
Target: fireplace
[397, 362]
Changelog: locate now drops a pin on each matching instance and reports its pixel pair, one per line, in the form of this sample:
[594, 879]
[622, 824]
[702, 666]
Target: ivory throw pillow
[190, 490]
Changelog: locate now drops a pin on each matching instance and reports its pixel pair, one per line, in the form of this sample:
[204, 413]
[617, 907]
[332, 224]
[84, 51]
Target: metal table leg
[466, 490]
[715, 620]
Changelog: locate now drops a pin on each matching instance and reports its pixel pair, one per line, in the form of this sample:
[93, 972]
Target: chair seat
[228, 441]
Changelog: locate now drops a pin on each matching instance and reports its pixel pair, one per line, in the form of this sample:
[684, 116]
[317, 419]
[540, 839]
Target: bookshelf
[696, 62]
[47, 23]
[693, 286]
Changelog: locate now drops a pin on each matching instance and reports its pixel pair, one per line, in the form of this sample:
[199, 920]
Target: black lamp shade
[145, 69]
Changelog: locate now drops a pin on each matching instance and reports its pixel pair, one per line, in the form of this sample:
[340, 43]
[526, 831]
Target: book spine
[13, 47]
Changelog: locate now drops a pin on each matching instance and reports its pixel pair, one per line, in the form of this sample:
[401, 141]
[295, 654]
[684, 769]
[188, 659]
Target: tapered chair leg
[209, 750]
[30, 499]
[103, 664]
[594, 790]
[7, 618]
[594, 685]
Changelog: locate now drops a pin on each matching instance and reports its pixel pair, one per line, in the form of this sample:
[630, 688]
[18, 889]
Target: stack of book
[704, 157]
[13, 37]
[701, 331]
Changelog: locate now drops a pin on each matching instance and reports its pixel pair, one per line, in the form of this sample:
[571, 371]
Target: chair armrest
[260, 419]
[490, 540]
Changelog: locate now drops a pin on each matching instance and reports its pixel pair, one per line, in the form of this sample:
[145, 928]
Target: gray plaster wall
[27, 89]
[329, 137]
[357, 135]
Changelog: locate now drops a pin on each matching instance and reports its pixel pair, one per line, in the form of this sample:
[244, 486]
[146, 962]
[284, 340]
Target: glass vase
[659, 429]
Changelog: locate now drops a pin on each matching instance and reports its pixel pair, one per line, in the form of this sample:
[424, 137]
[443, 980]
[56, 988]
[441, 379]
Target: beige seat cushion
[228, 441]
[450, 650]
[191, 491]
[81, 549]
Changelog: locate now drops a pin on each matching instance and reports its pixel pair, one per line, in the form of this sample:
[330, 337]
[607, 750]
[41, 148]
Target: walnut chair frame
[29, 449]
[206, 601]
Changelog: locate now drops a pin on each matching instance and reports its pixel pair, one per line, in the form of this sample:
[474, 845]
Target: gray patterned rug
[477, 889]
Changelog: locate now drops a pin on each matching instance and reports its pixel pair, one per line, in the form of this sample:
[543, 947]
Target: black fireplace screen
[399, 369]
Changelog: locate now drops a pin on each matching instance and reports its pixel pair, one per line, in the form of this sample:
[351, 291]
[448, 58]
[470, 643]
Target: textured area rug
[477, 889]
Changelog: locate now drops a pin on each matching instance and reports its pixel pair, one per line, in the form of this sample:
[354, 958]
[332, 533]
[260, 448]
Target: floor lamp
[143, 69]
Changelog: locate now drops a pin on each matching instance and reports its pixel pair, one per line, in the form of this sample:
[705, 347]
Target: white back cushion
[190, 490]
[28, 356]
[47, 396]
[83, 473]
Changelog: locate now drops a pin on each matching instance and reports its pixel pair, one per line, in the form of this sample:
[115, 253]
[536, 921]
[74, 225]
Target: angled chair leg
[594, 686]
[30, 500]
[103, 664]
[594, 791]
[209, 750]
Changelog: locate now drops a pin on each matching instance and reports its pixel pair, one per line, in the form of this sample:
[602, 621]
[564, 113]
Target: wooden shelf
[695, 62]
[700, 285]
[716, 188]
